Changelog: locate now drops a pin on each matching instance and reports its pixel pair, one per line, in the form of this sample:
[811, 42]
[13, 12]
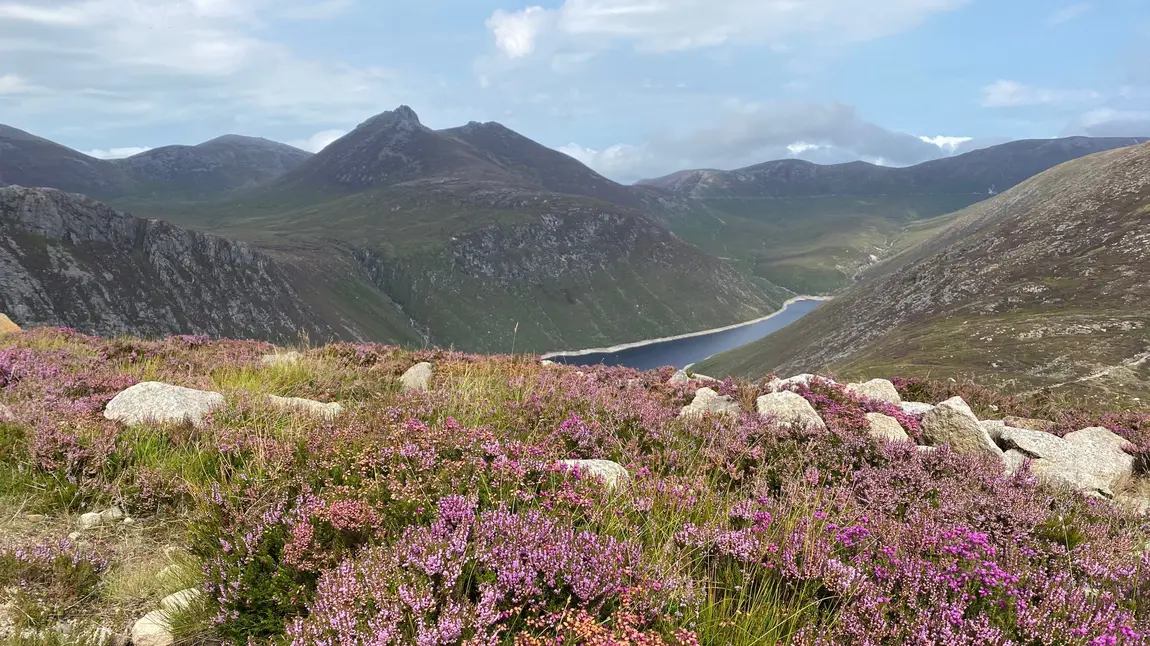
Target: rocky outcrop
[611, 473]
[95, 519]
[417, 377]
[876, 389]
[182, 600]
[68, 260]
[281, 358]
[886, 428]
[153, 629]
[953, 423]
[157, 402]
[1090, 461]
[916, 408]
[790, 410]
[805, 379]
[1028, 423]
[709, 402]
[320, 409]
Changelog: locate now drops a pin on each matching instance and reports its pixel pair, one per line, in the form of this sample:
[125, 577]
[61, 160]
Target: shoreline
[639, 344]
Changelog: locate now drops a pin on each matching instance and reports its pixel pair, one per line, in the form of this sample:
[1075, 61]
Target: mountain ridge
[67, 259]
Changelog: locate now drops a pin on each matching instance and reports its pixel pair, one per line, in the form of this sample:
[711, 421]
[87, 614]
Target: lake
[684, 351]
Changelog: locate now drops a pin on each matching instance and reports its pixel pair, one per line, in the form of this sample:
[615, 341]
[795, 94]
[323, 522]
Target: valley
[1036, 288]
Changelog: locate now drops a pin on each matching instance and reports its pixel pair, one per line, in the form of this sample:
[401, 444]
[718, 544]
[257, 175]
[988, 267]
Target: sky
[633, 88]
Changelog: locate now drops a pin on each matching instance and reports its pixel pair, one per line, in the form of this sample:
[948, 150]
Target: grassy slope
[1035, 288]
[810, 245]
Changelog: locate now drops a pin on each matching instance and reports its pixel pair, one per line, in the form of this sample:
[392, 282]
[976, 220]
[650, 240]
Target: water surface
[683, 352]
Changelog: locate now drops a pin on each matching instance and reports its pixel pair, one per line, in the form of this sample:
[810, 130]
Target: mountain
[1042, 286]
[171, 172]
[66, 259]
[813, 228]
[474, 236]
[395, 147]
[28, 160]
[222, 164]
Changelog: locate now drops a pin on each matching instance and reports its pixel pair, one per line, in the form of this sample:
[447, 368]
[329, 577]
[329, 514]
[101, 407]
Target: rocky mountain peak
[402, 117]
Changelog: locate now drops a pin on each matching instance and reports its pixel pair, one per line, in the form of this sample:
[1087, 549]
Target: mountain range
[474, 236]
[1041, 287]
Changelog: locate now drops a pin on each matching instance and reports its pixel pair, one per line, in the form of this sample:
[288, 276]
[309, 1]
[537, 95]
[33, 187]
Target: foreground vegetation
[444, 517]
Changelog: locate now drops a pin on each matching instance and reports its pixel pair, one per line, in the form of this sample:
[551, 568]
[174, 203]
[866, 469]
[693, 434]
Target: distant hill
[28, 160]
[216, 166]
[1042, 286]
[980, 172]
[66, 259]
[812, 228]
[182, 172]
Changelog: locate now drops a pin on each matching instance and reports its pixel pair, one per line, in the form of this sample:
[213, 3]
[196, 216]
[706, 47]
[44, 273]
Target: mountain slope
[66, 259]
[213, 167]
[812, 228]
[542, 166]
[1041, 286]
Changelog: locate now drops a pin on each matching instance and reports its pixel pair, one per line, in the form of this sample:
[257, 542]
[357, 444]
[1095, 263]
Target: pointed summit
[401, 116]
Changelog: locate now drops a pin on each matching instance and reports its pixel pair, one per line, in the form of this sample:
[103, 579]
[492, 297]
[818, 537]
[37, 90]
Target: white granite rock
[709, 402]
[154, 401]
[612, 473]
[417, 377]
[790, 409]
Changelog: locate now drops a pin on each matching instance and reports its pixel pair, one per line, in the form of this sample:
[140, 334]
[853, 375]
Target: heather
[445, 517]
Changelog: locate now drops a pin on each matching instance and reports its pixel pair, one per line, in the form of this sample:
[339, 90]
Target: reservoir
[688, 349]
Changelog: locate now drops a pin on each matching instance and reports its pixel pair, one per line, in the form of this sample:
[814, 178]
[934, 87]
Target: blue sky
[634, 88]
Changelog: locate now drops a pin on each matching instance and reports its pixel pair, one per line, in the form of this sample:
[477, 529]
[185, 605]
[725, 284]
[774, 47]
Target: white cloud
[117, 153]
[127, 63]
[1004, 94]
[515, 33]
[12, 84]
[324, 10]
[318, 141]
[749, 133]
[1068, 13]
[949, 144]
[1109, 122]
[801, 147]
[675, 25]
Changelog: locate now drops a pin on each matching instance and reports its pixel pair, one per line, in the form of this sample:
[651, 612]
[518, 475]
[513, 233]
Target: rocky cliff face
[574, 273]
[66, 259]
[1040, 286]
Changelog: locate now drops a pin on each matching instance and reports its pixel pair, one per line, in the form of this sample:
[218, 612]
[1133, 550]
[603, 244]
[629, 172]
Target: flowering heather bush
[60, 572]
[442, 517]
[470, 577]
